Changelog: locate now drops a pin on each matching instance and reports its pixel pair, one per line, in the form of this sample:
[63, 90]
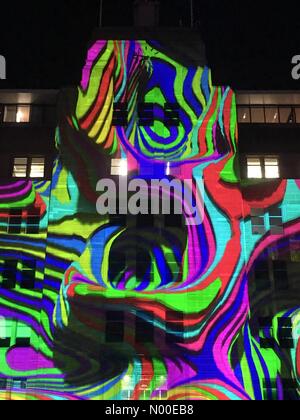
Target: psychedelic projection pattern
[78, 321]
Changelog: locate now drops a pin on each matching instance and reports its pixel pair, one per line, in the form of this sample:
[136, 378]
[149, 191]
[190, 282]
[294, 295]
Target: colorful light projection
[180, 327]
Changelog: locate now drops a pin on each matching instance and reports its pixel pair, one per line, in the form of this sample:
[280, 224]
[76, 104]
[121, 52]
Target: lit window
[272, 115]
[119, 167]
[10, 114]
[20, 167]
[244, 115]
[258, 115]
[297, 113]
[17, 114]
[287, 115]
[263, 167]
[23, 114]
[29, 167]
[37, 168]
[271, 168]
[254, 168]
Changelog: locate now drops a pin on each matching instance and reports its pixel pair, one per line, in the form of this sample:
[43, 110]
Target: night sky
[249, 44]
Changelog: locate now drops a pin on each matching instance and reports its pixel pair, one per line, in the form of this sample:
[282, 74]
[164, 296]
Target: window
[146, 115]
[287, 115]
[16, 114]
[115, 328]
[175, 327]
[20, 168]
[262, 276]
[6, 326]
[272, 115]
[33, 221]
[37, 168]
[244, 115]
[29, 167]
[280, 275]
[119, 167]
[276, 223]
[117, 265]
[172, 115]
[9, 274]
[295, 249]
[285, 333]
[258, 221]
[28, 275]
[144, 329]
[15, 221]
[270, 390]
[258, 115]
[143, 264]
[263, 167]
[254, 168]
[23, 335]
[297, 115]
[289, 390]
[271, 168]
[145, 221]
[120, 115]
[269, 114]
[266, 333]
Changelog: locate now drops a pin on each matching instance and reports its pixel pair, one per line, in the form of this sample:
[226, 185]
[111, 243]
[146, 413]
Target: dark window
[118, 219]
[146, 115]
[276, 223]
[4, 343]
[145, 221]
[3, 383]
[173, 221]
[9, 274]
[143, 264]
[270, 390]
[23, 342]
[258, 222]
[117, 265]
[115, 329]
[172, 118]
[33, 221]
[290, 389]
[15, 221]
[175, 327]
[280, 275]
[28, 275]
[120, 115]
[285, 333]
[144, 329]
[262, 276]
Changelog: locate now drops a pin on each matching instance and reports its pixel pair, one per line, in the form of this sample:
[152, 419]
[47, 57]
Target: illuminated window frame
[29, 167]
[119, 167]
[20, 114]
[263, 167]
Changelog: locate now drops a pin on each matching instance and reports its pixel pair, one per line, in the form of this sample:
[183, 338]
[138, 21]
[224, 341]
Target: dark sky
[249, 44]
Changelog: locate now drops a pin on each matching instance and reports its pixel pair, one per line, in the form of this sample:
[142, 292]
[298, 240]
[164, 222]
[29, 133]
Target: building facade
[150, 306]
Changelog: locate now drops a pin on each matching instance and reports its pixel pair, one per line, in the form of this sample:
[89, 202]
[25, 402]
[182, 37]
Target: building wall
[186, 324]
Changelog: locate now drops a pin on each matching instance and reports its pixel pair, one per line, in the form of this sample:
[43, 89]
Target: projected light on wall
[146, 307]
